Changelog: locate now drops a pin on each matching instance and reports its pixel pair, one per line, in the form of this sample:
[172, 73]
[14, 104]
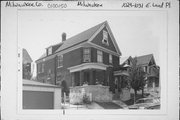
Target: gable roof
[26, 57]
[144, 60]
[141, 60]
[79, 38]
[42, 56]
[123, 60]
[83, 37]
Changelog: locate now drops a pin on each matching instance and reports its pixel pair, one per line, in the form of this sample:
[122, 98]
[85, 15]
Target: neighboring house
[147, 63]
[27, 71]
[88, 57]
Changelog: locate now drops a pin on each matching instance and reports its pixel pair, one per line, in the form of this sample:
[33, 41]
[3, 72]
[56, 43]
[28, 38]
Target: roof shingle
[26, 57]
[79, 38]
[145, 59]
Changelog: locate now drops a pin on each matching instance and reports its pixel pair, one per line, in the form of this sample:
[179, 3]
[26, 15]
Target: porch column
[153, 84]
[81, 77]
[72, 79]
[105, 77]
[90, 77]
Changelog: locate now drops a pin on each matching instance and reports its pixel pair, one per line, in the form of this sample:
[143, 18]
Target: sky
[136, 32]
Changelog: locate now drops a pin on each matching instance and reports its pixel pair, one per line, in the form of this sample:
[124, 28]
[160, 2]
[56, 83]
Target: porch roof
[121, 73]
[85, 66]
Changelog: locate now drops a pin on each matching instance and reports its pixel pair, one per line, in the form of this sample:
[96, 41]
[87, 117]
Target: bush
[86, 99]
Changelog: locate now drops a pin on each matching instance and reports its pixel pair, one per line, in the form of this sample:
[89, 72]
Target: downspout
[55, 70]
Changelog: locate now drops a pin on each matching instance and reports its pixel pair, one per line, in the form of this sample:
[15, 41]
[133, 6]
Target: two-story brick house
[88, 57]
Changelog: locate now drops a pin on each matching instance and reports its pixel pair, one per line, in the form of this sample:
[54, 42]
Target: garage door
[38, 100]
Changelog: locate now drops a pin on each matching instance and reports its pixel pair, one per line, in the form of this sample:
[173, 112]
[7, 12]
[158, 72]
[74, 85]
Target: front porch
[90, 74]
[93, 80]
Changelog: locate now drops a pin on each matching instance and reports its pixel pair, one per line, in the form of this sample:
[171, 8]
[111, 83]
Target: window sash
[105, 37]
[50, 51]
[40, 68]
[86, 55]
[60, 61]
[99, 56]
[110, 58]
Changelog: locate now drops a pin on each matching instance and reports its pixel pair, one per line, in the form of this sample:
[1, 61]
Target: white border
[11, 107]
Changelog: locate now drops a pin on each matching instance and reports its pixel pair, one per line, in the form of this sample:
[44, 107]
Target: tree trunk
[135, 93]
[142, 92]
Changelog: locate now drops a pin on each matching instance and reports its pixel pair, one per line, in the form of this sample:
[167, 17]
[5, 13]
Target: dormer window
[105, 38]
[49, 51]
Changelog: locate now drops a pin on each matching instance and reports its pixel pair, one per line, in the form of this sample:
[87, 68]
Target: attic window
[49, 51]
[105, 38]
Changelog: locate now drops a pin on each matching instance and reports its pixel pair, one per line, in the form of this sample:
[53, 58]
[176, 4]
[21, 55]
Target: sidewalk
[95, 105]
[88, 106]
[120, 103]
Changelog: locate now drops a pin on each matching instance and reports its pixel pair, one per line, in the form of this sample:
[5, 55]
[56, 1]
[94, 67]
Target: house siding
[70, 59]
[93, 55]
[105, 58]
[49, 71]
[115, 60]
[98, 40]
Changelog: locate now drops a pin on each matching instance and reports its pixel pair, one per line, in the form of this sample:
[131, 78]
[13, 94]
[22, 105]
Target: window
[60, 61]
[86, 55]
[105, 37]
[50, 51]
[40, 68]
[110, 58]
[99, 56]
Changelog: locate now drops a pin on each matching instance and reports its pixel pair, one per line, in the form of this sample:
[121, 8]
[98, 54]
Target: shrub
[86, 99]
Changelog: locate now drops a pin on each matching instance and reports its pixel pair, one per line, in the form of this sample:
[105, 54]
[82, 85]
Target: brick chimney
[63, 36]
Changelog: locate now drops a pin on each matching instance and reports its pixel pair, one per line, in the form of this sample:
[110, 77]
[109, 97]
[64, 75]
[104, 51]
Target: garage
[38, 95]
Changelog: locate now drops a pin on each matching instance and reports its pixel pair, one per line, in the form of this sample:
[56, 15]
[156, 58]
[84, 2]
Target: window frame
[86, 55]
[40, 68]
[105, 39]
[49, 51]
[110, 58]
[59, 61]
[99, 53]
